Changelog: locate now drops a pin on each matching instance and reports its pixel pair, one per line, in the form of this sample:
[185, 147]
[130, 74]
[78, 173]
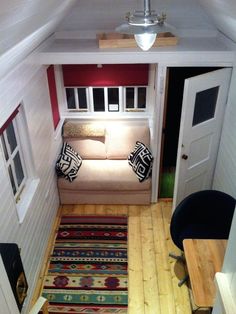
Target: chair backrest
[208, 208]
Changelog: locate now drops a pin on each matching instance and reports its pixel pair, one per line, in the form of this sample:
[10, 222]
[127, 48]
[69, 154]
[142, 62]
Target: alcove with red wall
[105, 75]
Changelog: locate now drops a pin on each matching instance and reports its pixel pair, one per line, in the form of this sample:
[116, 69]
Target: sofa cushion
[140, 159]
[89, 148]
[105, 175]
[121, 139]
[68, 163]
[81, 130]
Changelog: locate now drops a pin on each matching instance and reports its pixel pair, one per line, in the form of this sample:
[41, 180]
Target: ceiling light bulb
[145, 40]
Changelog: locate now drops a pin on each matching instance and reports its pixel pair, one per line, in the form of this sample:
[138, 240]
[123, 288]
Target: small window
[205, 105]
[113, 98]
[14, 159]
[82, 98]
[129, 97]
[98, 99]
[70, 96]
[135, 98]
[77, 98]
[106, 99]
[141, 97]
[19, 161]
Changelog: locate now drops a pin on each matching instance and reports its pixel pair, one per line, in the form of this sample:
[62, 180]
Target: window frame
[91, 89]
[26, 193]
[87, 98]
[109, 105]
[76, 98]
[136, 108]
[10, 161]
[107, 109]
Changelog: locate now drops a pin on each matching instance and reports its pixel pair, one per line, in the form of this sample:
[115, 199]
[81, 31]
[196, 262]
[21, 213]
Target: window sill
[26, 199]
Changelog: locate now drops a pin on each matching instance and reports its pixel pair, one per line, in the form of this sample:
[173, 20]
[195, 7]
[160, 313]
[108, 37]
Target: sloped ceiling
[24, 24]
[223, 15]
[91, 16]
[20, 19]
[189, 17]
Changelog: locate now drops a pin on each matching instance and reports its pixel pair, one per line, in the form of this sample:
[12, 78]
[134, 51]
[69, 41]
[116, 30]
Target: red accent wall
[107, 75]
[53, 95]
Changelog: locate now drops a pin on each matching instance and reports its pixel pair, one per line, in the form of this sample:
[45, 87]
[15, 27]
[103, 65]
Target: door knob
[185, 157]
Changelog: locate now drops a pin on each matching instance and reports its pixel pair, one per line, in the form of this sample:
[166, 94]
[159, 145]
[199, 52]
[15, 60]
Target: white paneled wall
[28, 85]
[225, 173]
[225, 180]
[24, 25]
[223, 13]
[21, 18]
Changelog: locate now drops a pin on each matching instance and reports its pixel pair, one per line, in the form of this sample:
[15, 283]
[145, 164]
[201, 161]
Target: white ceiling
[24, 24]
[97, 15]
[223, 14]
[20, 19]
[189, 17]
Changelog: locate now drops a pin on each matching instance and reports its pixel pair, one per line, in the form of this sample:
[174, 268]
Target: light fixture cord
[147, 7]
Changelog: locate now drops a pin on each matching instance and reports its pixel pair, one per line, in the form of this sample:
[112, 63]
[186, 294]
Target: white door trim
[202, 138]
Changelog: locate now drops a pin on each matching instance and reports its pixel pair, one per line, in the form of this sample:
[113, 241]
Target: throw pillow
[141, 159]
[68, 163]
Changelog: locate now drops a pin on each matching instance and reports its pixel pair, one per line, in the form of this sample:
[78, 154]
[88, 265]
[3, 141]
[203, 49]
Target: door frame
[157, 120]
[157, 126]
[222, 78]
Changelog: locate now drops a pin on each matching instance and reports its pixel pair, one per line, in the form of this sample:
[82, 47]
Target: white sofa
[105, 177]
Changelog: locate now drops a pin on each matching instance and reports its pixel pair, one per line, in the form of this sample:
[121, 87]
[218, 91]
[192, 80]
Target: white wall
[225, 173]
[24, 25]
[223, 14]
[225, 180]
[28, 85]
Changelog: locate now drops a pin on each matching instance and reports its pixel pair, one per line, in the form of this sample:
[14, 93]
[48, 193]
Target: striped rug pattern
[88, 266]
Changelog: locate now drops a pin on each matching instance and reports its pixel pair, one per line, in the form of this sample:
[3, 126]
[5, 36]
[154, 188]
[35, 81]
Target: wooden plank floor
[153, 275]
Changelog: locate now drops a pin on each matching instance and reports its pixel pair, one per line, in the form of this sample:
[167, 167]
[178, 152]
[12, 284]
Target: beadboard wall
[28, 85]
[225, 180]
[24, 25]
[225, 173]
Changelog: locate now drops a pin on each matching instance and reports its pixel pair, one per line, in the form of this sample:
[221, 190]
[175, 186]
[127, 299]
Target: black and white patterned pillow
[141, 159]
[68, 163]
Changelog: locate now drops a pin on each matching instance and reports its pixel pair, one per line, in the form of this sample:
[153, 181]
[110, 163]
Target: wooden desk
[204, 258]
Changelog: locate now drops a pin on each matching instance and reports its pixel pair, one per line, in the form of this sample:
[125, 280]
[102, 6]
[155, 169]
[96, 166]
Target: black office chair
[202, 215]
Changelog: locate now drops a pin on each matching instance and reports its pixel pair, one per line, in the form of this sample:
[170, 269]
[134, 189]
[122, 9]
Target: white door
[202, 116]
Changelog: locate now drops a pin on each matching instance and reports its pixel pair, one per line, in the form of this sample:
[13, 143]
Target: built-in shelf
[202, 51]
[116, 40]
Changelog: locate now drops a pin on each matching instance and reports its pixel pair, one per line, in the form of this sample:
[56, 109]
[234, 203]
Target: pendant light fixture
[144, 25]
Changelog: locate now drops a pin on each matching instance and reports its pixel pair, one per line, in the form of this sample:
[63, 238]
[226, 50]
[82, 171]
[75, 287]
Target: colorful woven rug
[88, 266]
